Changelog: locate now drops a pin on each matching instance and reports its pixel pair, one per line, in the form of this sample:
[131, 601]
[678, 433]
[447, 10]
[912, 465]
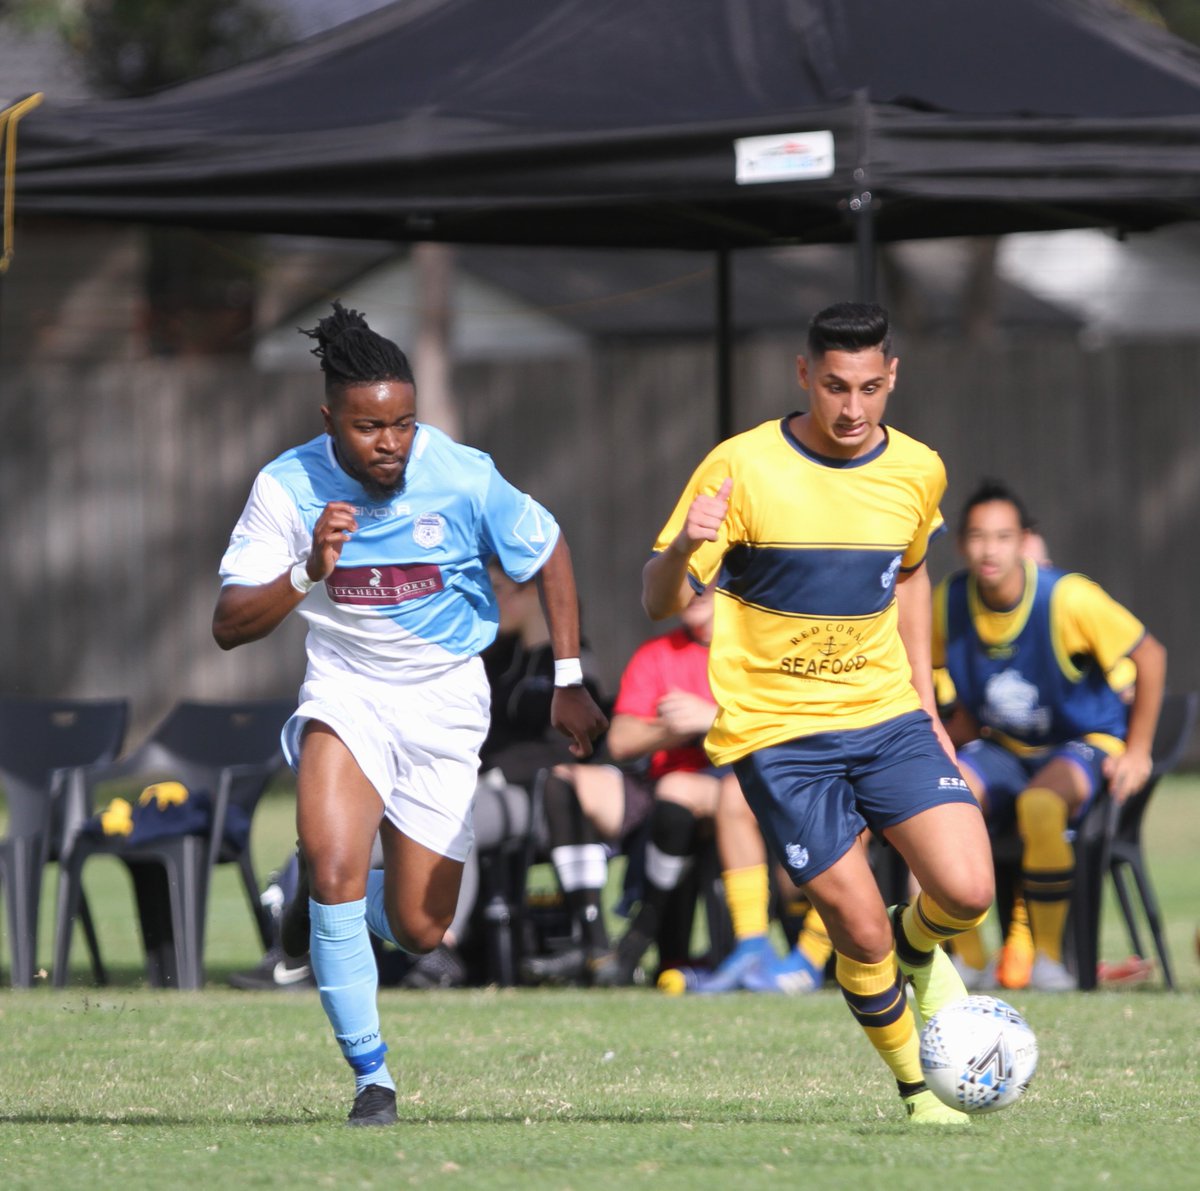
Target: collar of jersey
[1001, 626]
[830, 460]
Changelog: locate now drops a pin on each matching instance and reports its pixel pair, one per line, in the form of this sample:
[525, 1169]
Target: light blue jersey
[410, 595]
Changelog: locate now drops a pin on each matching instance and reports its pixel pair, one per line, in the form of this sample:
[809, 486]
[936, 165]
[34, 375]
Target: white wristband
[568, 672]
[300, 579]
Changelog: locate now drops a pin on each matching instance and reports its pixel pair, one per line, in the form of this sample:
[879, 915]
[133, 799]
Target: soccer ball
[978, 1054]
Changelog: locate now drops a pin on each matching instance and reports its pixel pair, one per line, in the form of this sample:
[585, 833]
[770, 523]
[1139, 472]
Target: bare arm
[248, 613]
[682, 719]
[573, 712]
[665, 587]
[1127, 773]
[914, 606]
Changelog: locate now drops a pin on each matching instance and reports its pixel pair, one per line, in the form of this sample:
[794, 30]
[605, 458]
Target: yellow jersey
[805, 635]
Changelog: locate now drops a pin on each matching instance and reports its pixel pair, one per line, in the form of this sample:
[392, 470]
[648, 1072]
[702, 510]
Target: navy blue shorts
[1004, 775]
[814, 795]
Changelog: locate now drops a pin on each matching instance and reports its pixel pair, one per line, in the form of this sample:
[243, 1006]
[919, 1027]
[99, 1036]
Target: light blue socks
[377, 919]
[348, 979]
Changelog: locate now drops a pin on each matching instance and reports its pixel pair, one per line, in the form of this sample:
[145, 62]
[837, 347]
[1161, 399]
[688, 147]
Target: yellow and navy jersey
[1048, 670]
[805, 633]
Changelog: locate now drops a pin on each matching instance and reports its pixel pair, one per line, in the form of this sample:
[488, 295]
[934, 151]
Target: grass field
[133, 1088]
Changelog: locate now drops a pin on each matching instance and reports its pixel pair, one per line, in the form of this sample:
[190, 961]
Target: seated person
[663, 710]
[1038, 659]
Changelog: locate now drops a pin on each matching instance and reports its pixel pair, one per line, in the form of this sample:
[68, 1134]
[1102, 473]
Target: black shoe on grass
[295, 926]
[374, 1105]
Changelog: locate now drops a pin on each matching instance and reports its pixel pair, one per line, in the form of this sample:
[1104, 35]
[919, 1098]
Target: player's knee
[867, 939]
[335, 879]
[418, 936]
[970, 896]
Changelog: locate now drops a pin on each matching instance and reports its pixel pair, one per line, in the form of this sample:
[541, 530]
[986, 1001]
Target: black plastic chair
[1109, 842]
[42, 743]
[229, 750]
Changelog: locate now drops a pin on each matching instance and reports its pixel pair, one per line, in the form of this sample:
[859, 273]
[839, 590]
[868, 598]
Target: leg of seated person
[747, 891]
[1056, 792]
[577, 837]
[681, 799]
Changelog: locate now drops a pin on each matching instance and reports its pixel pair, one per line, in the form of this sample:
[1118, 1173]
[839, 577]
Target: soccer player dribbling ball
[379, 532]
[815, 527]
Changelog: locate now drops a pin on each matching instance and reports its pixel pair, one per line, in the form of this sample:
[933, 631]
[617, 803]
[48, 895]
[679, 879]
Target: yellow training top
[805, 632]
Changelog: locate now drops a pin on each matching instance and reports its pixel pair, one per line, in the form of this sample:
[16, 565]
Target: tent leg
[724, 346]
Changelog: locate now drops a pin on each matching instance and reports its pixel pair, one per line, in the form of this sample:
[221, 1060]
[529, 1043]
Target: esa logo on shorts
[428, 530]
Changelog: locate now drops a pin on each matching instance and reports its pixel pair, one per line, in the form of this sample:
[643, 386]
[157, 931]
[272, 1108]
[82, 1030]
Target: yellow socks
[969, 948]
[814, 941]
[923, 925]
[875, 995]
[747, 893]
[1048, 867]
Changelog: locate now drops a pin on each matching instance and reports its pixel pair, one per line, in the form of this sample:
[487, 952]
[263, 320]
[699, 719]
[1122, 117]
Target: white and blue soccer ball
[978, 1054]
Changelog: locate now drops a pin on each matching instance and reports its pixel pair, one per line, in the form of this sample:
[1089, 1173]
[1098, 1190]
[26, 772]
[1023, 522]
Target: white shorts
[417, 745]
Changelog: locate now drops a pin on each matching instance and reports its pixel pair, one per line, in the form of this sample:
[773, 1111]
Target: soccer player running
[1041, 661]
[380, 531]
[815, 528]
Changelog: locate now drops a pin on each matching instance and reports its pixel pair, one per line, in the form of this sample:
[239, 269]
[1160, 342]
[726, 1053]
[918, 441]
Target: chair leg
[70, 892]
[262, 917]
[1154, 918]
[99, 972]
[1126, 903]
[24, 889]
[1084, 920]
[192, 900]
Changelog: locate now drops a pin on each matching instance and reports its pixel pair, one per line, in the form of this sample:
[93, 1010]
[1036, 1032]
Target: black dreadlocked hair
[352, 354]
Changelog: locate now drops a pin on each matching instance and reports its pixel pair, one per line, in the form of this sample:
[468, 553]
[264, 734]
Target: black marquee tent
[692, 124]
[668, 123]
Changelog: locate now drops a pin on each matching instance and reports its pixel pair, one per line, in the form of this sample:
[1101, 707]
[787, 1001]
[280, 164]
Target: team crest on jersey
[428, 530]
[888, 576]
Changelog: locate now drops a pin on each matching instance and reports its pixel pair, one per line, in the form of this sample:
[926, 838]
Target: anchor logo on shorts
[797, 855]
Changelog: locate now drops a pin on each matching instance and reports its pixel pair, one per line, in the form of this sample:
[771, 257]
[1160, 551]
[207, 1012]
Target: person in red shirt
[661, 783]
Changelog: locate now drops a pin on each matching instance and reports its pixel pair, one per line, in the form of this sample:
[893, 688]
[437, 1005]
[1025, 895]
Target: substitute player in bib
[815, 528]
[379, 532]
[1041, 661]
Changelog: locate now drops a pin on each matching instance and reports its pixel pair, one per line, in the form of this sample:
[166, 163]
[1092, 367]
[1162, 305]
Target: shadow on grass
[720, 1114]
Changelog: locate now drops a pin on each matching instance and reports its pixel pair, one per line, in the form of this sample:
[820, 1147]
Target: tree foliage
[132, 47]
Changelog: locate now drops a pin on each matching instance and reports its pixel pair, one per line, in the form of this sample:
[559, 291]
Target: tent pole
[864, 245]
[724, 347]
[862, 204]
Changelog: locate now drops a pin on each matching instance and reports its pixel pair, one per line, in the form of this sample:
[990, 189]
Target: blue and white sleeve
[268, 538]
[519, 531]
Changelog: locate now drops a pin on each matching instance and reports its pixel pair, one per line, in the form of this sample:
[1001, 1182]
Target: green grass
[135, 1088]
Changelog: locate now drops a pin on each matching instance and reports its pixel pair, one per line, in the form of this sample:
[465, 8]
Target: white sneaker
[975, 979]
[1049, 976]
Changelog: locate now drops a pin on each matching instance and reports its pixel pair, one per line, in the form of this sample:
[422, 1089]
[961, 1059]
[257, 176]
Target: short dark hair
[850, 327]
[352, 354]
[990, 490]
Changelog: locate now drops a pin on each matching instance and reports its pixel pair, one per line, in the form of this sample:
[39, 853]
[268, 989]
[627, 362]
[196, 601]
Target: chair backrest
[40, 736]
[1176, 722]
[197, 740]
